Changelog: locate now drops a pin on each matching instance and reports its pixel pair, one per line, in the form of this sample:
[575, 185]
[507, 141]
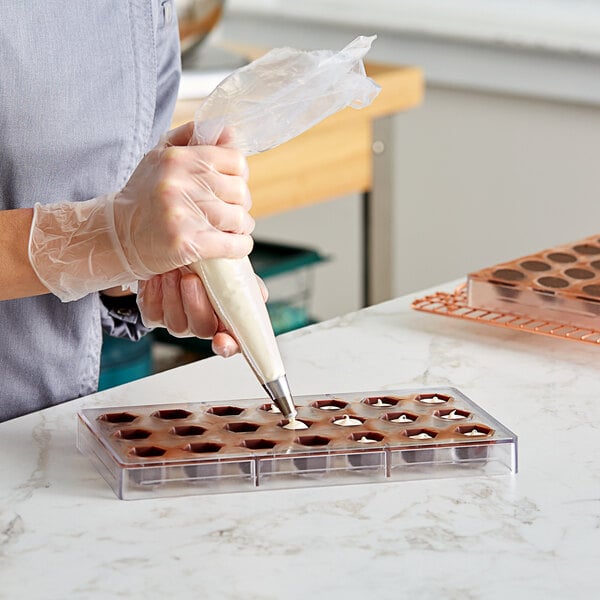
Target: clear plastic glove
[177, 301]
[262, 105]
[181, 204]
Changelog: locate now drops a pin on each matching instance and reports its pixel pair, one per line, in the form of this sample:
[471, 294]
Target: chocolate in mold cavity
[553, 282]
[503, 279]
[370, 459]
[316, 463]
[132, 434]
[400, 417]
[294, 424]
[474, 430]
[535, 265]
[592, 290]
[242, 427]
[416, 455]
[508, 275]
[203, 447]
[122, 417]
[347, 421]
[367, 458]
[452, 414]
[259, 444]
[580, 273]
[381, 401]
[421, 433]
[329, 404]
[595, 264]
[187, 430]
[266, 464]
[561, 257]
[148, 475]
[171, 414]
[270, 408]
[312, 440]
[433, 398]
[205, 469]
[367, 437]
[505, 290]
[225, 411]
[147, 451]
[473, 452]
[586, 249]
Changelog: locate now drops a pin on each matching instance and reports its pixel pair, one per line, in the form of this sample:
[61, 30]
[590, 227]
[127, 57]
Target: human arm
[75, 247]
[17, 277]
[175, 300]
[181, 204]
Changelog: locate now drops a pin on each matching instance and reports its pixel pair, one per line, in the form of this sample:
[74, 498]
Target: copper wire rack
[454, 304]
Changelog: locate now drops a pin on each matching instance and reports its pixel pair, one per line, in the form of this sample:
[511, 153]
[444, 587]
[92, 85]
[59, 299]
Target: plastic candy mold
[363, 437]
[560, 285]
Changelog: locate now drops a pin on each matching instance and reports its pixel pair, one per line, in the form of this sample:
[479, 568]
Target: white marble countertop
[63, 533]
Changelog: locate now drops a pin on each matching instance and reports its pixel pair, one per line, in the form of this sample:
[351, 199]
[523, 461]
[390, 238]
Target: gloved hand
[181, 204]
[177, 301]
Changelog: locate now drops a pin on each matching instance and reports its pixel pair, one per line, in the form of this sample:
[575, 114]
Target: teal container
[123, 361]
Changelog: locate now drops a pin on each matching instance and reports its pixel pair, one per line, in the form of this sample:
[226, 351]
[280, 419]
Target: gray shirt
[86, 89]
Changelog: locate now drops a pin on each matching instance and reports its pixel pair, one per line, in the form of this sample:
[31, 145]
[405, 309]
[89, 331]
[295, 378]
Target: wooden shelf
[332, 159]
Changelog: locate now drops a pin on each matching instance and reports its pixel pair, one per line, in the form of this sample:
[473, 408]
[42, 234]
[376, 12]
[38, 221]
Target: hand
[184, 203]
[177, 301]
[181, 204]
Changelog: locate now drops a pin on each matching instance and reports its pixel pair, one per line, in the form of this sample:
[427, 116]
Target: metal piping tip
[279, 392]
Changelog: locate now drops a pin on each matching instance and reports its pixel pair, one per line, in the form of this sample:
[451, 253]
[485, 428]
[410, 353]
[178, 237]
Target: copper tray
[455, 305]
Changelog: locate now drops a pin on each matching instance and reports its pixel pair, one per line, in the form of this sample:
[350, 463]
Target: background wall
[334, 229]
[502, 158]
[489, 177]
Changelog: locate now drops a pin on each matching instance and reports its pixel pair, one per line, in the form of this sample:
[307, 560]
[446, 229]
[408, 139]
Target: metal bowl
[197, 18]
